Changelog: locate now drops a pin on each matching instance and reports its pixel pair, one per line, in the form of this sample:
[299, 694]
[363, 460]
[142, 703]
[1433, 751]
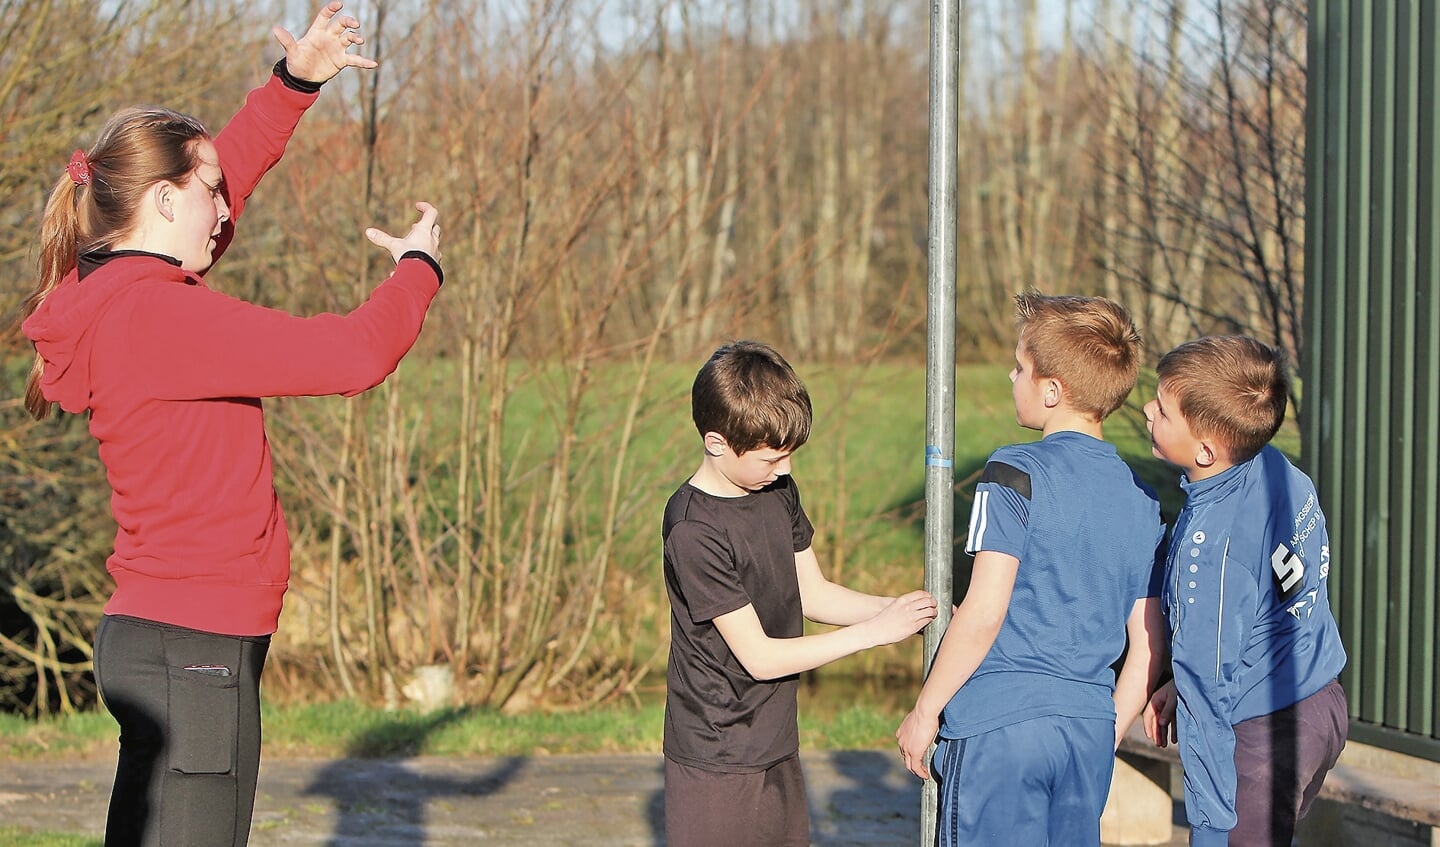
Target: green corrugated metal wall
[1371, 421]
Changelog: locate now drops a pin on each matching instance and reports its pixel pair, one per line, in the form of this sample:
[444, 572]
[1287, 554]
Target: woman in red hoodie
[171, 374]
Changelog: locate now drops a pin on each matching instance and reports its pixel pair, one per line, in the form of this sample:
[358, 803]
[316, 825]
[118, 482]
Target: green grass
[351, 729]
[862, 474]
[19, 836]
[835, 713]
[59, 737]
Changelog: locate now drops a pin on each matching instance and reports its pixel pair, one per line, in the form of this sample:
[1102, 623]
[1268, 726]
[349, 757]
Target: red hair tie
[79, 168]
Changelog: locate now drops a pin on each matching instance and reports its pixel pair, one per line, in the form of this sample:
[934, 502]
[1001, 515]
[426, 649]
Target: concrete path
[860, 797]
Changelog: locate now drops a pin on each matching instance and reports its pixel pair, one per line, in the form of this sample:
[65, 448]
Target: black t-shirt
[722, 553]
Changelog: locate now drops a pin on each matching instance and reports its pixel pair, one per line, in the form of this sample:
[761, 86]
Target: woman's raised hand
[423, 236]
[322, 52]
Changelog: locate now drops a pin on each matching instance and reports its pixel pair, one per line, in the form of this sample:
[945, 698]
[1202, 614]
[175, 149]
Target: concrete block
[1138, 811]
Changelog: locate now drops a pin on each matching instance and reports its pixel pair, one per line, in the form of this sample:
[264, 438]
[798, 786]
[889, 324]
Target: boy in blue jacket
[1255, 706]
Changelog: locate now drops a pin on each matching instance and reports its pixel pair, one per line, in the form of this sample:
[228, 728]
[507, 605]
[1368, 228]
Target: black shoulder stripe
[1009, 476]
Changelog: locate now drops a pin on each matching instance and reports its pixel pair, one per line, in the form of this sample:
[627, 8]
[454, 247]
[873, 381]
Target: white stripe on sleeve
[979, 520]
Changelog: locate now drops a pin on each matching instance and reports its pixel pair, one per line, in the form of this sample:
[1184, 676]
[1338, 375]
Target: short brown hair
[1231, 388]
[749, 394]
[1090, 344]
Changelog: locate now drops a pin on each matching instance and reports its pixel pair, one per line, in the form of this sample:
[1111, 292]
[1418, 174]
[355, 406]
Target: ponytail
[59, 252]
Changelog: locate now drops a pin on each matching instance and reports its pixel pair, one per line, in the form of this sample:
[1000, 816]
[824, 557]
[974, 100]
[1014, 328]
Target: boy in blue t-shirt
[1255, 704]
[1022, 693]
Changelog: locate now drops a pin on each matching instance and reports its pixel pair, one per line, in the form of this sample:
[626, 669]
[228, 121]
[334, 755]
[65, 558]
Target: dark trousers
[713, 809]
[188, 705]
[1281, 760]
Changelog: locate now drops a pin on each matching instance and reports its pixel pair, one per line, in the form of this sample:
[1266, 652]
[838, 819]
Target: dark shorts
[1281, 760]
[712, 809]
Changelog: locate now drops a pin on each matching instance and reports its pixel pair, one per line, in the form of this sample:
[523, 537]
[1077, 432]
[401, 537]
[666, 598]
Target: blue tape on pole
[934, 458]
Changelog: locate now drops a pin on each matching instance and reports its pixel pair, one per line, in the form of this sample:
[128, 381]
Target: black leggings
[188, 705]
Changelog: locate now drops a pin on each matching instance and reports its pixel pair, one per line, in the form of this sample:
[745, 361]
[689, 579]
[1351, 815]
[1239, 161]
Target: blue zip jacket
[1250, 622]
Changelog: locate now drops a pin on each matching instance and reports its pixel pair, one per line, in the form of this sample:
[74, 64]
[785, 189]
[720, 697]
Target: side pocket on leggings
[204, 706]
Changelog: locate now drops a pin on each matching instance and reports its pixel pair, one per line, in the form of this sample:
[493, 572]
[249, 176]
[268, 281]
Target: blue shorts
[1038, 782]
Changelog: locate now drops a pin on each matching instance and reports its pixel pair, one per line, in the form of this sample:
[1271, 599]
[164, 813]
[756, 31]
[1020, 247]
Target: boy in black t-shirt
[741, 576]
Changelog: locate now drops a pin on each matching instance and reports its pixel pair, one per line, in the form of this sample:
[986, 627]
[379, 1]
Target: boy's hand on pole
[903, 617]
[322, 52]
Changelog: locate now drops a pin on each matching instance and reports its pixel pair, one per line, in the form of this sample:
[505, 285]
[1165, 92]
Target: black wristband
[429, 260]
[304, 86]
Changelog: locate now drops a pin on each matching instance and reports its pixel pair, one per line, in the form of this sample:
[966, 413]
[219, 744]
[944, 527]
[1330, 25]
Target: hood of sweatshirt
[61, 327]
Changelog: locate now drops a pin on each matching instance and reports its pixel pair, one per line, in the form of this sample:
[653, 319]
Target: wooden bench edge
[1399, 797]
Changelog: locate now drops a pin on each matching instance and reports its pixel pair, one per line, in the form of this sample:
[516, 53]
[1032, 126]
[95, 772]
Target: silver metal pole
[940, 345]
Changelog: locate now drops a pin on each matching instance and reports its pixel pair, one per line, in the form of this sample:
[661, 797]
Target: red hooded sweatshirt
[171, 373]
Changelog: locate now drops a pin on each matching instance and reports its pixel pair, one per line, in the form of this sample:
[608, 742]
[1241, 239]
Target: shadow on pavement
[871, 802]
[655, 809]
[385, 801]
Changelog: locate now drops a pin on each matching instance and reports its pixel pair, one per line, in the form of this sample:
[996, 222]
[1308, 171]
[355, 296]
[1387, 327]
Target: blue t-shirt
[1086, 531]
[1251, 628]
